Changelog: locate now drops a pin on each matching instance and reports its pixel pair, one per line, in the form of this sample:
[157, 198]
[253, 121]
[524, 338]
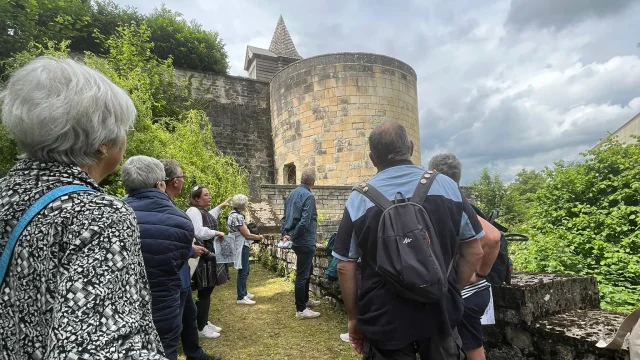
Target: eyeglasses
[175, 177]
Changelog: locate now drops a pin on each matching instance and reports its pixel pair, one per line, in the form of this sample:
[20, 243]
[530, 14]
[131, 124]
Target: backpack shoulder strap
[26, 218]
[374, 195]
[422, 189]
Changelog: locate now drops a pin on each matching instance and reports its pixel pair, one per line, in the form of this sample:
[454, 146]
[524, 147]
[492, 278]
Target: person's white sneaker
[312, 303]
[250, 296]
[213, 327]
[307, 314]
[245, 301]
[344, 337]
[208, 333]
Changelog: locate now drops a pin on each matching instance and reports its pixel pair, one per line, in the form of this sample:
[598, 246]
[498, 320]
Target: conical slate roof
[281, 43]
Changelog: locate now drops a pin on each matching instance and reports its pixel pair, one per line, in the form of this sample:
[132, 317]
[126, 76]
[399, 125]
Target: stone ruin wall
[323, 108]
[238, 109]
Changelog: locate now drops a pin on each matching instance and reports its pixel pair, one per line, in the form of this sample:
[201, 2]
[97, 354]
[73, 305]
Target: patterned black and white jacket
[76, 286]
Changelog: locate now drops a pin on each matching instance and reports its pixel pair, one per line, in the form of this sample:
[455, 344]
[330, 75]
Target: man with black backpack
[476, 293]
[417, 238]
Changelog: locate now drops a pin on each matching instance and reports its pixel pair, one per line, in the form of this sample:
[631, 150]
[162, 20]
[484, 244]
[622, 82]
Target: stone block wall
[239, 111]
[323, 108]
[330, 200]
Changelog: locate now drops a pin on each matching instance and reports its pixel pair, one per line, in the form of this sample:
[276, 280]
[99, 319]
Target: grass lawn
[269, 330]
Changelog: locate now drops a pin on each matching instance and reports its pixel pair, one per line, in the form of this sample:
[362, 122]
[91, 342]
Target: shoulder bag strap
[26, 218]
[374, 195]
[422, 189]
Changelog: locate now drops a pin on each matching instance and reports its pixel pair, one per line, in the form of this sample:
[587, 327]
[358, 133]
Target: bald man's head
[389, 143]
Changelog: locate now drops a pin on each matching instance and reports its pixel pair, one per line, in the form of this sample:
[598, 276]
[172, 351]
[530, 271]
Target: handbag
[26, 218]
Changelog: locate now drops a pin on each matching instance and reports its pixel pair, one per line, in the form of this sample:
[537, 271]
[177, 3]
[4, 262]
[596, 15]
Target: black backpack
[408, 255]
[503, 266]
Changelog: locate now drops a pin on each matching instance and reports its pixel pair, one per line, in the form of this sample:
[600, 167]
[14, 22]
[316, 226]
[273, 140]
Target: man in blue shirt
[299, 225]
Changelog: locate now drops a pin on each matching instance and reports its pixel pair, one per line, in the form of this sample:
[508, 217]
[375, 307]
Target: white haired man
[166, 235]
[476, 294]
[300, 225]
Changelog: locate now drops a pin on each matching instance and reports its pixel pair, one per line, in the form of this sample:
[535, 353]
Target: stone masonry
[324, 107]
[238, 109]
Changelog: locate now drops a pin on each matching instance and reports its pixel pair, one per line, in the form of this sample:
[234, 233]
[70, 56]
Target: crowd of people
[85, 274]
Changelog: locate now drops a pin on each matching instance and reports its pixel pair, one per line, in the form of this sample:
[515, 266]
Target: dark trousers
[304, 267]
[433, 348]
[189, 335]
[243, 274]
[169, 325]
[202, 306]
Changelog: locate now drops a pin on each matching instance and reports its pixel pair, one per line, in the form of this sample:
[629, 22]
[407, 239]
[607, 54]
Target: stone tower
[262, 64]
[323, 109]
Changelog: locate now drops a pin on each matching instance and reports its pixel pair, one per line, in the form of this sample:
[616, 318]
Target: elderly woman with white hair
[241, 236]
[166, 235]
[75, 285]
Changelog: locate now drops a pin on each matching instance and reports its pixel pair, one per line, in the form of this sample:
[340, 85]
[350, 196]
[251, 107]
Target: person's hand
[227, 202]
[286, 238]
[261, 237]
[199, 250]
[355, 337]
[220, 234]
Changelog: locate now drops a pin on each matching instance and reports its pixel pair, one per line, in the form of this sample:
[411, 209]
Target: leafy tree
[185, 137]
[488, 192]
[83, 22]
[188, 43]
[25, 21]
[519, 197]
[585, 220]
[105, 18]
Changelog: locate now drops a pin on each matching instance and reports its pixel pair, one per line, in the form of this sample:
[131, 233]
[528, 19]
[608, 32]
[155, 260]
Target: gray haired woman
[242, 238]
[75, 286]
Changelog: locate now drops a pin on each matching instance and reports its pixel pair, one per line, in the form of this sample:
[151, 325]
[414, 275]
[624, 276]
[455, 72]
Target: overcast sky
[506, 84]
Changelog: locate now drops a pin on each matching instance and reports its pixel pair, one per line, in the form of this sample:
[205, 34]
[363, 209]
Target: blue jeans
[304, 267]
[189, 335]
[243, 273]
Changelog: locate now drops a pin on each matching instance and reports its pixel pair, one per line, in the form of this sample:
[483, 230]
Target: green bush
[585, 220]
[185, 136]
[84, 22]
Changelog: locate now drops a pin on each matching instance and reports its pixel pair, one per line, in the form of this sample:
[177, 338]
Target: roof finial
[281, 43]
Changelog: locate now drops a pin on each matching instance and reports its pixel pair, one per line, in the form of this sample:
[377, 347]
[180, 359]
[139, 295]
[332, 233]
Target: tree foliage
[585, 220]
[165, 127]
[84, 22]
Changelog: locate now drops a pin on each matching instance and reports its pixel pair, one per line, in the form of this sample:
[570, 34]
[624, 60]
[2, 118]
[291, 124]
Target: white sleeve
[202, 232]
[215, 212]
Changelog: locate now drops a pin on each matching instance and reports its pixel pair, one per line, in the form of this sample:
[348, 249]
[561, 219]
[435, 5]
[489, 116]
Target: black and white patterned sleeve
[107, 309]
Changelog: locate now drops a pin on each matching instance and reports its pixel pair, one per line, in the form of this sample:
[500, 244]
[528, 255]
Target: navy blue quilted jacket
[166, 235]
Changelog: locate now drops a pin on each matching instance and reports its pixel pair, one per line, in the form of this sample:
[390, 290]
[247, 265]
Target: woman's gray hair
[60, 110]
[447, 164]
[141, 172]
[239, 201]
